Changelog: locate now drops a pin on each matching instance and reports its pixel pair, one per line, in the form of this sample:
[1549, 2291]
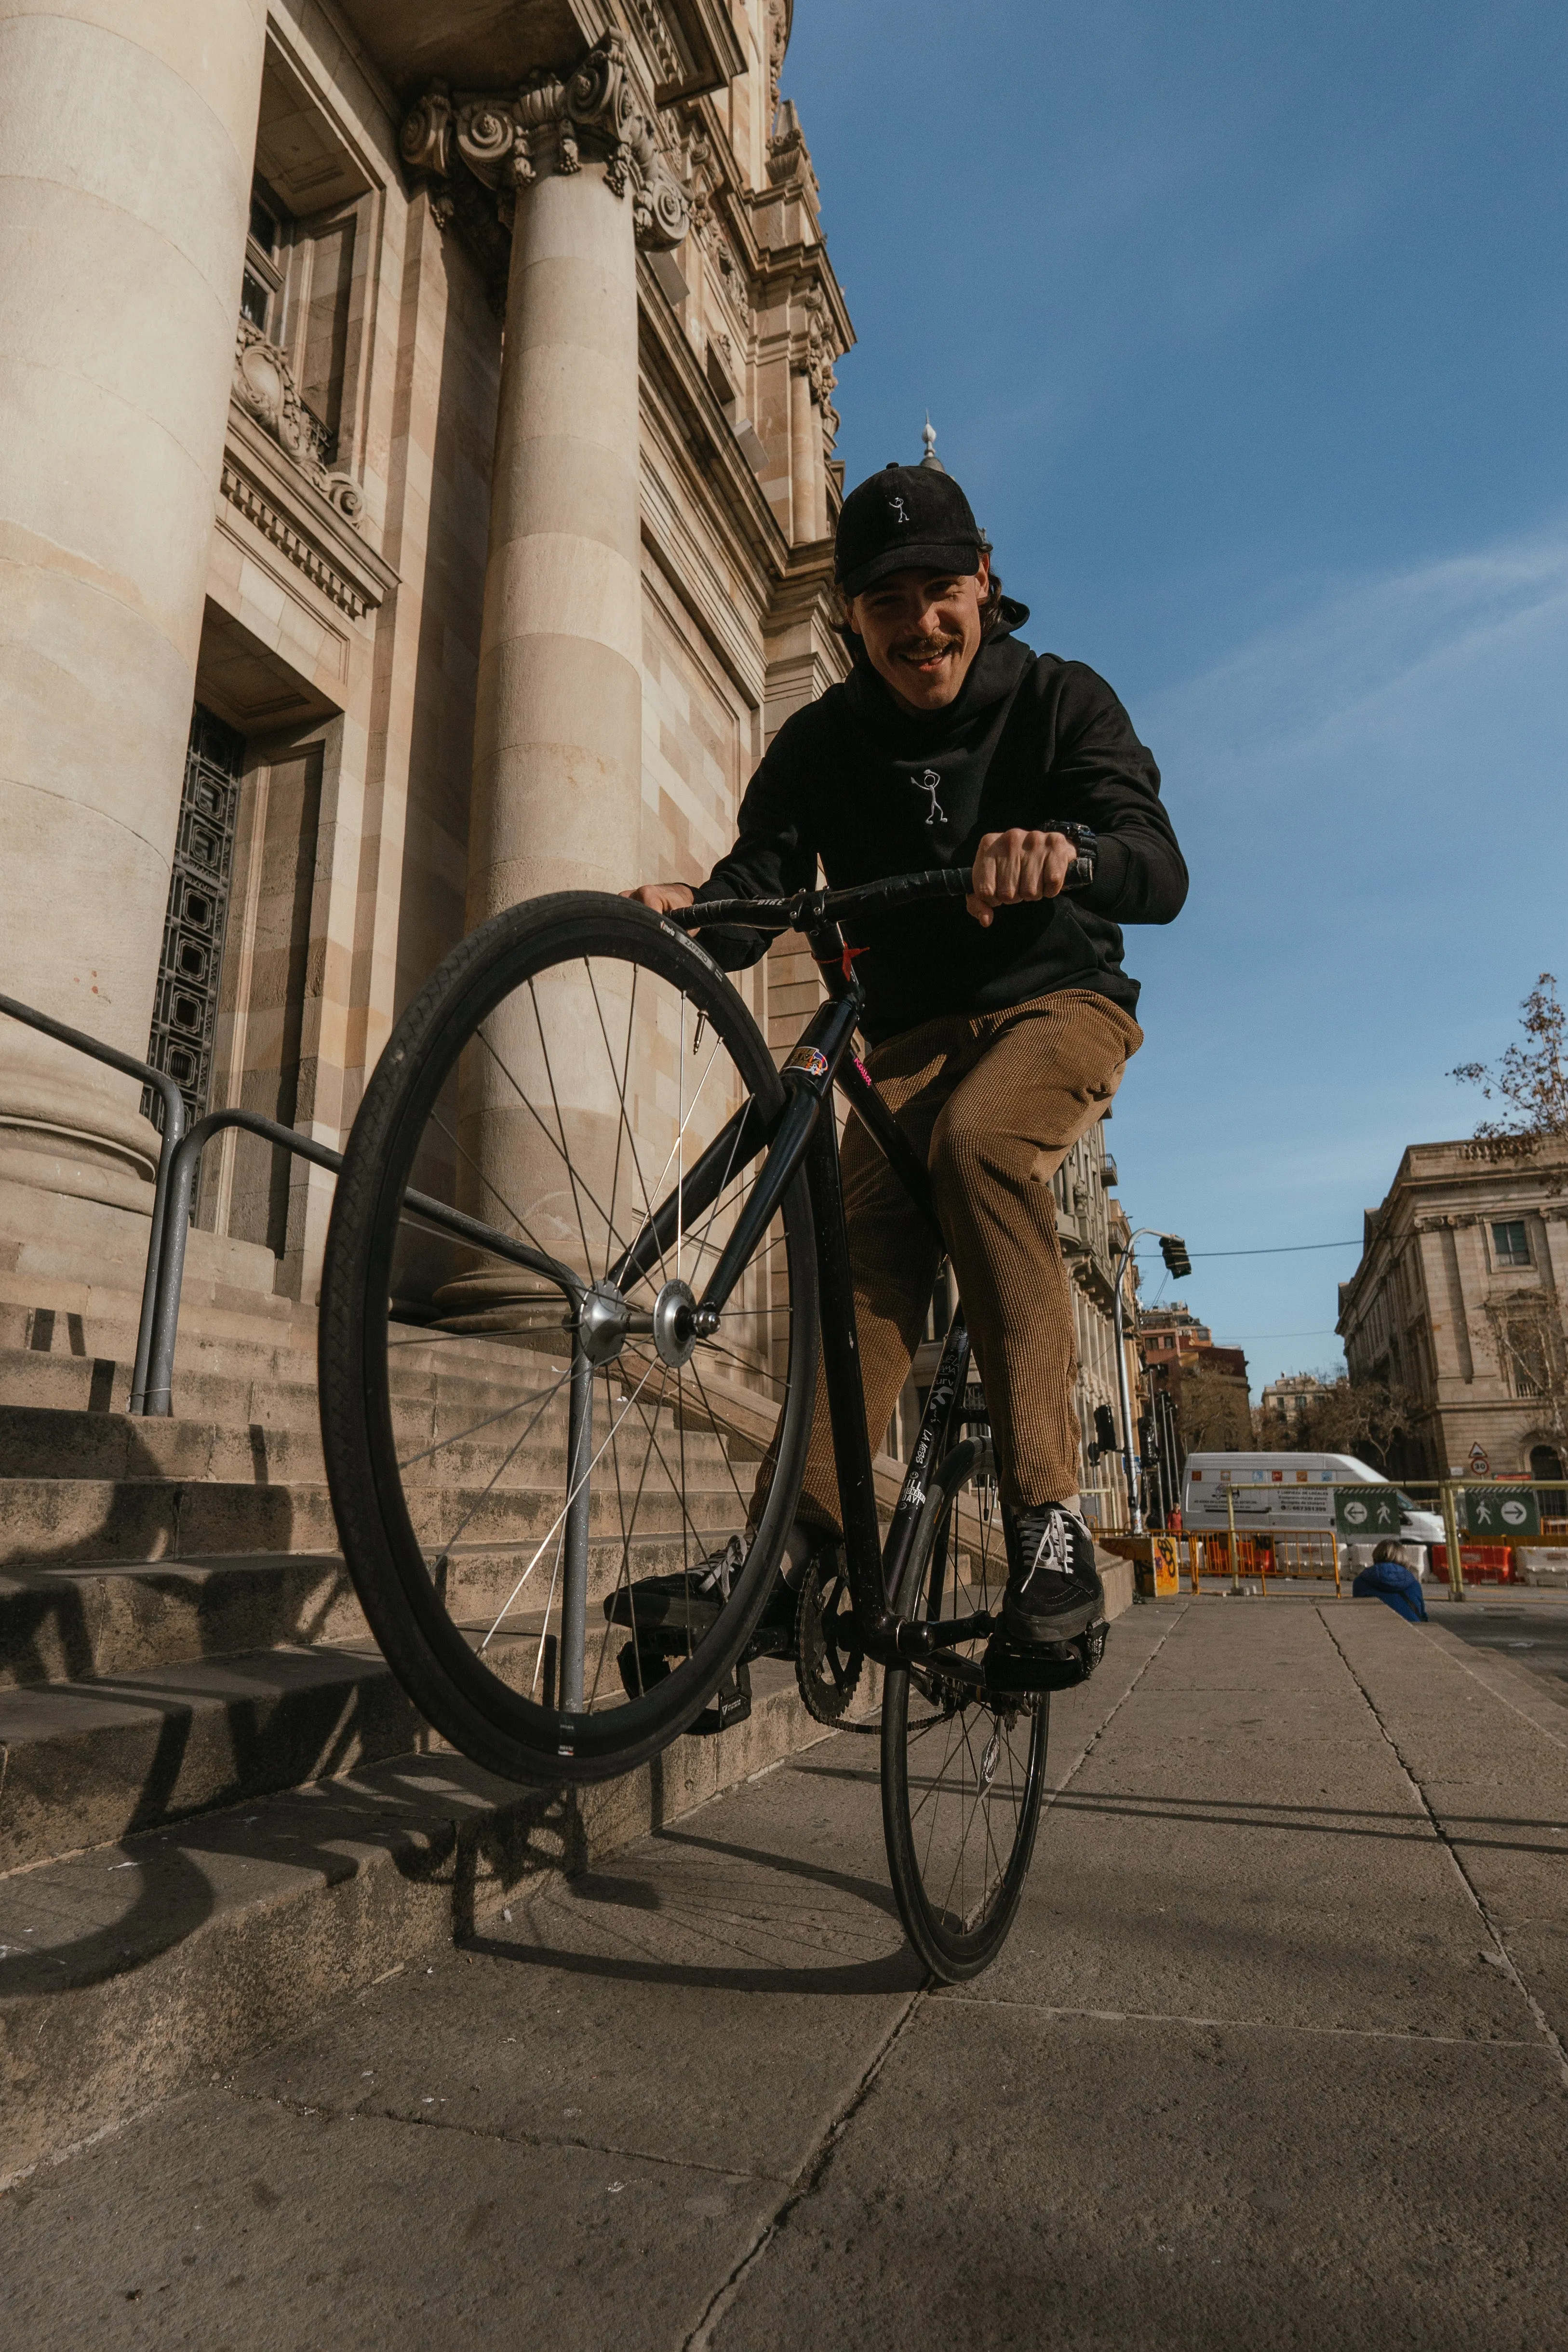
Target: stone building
[1198, 1392]
[1291, 1398]
[1459, 1301]
[417, 493]
[1169, 1338]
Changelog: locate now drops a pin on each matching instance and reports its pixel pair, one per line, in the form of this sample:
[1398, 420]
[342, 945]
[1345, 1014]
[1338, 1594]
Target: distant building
[1459, 1300]
[1169, 1337]
[1200, 1389]
[1291, 1397]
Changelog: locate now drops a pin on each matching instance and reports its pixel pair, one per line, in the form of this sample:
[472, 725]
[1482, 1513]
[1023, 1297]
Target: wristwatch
[1086, 842]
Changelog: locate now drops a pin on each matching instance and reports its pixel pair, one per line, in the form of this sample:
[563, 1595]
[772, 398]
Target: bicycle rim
[962, 1771]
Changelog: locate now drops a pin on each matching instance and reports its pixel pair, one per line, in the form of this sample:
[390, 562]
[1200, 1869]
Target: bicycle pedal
[1016, 1667]
[731, 1702]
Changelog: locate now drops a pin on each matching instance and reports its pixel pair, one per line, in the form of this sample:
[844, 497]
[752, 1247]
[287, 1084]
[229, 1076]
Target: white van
[1294, 1494]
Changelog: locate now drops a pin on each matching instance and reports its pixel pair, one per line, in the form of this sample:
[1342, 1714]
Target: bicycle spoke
[474, 1428]
[560, 1519]
[526, 1230]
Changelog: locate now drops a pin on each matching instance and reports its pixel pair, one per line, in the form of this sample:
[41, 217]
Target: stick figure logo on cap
[908, 518]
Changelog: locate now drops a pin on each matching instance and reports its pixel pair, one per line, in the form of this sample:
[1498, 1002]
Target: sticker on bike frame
[809, 1059]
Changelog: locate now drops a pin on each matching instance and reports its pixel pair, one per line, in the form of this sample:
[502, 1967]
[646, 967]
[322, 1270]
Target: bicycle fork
[575, 1533]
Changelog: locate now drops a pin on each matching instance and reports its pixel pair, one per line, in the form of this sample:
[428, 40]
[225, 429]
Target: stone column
[556, 802]
[558, 758]
[557, 738]
[126, 145]
[808, 498]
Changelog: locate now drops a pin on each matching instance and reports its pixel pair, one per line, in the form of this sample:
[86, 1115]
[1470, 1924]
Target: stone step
[130, 1971]
[88, 1762]
[67, 1624]
[54, 1522]
[472, 1437]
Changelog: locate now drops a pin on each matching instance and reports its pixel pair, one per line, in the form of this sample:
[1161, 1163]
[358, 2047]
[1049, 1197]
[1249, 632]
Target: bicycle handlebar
[806, 909]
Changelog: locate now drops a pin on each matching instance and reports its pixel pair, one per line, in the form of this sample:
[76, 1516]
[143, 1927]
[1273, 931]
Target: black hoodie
[869, 790]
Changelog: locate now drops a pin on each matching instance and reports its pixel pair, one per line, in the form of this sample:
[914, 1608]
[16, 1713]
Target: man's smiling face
[921, 631]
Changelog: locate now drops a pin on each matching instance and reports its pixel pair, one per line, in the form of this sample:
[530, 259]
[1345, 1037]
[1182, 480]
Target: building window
[186, 1008]
[1510, 1242]
[261, 287]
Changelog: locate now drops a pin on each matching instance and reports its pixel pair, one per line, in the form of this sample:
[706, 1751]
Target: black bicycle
[565, 1444]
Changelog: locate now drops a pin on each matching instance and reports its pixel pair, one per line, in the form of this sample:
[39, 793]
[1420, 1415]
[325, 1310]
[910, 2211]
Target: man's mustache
[928, 648]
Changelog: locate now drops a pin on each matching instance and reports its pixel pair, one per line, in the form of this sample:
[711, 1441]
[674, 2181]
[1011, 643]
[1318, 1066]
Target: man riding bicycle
[999, 1030]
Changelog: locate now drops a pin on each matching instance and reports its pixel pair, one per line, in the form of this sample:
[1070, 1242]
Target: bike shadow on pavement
[787, 1895]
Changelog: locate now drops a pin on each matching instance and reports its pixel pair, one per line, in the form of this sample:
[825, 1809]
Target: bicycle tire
[421, 1631]
[927, 1804]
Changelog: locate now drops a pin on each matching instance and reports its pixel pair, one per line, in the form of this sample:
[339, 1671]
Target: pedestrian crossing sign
[1366, 1511]
[1493, 1515]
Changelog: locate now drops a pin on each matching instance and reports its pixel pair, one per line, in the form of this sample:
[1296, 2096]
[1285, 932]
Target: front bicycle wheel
[561, 1506]
[963, 1769]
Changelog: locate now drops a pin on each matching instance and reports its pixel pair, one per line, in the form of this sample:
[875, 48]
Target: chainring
[828, 1656]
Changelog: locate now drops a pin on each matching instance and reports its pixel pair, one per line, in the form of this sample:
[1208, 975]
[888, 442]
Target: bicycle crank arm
[916, 1637]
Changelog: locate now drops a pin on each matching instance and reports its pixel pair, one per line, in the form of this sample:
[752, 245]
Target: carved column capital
[508, 140]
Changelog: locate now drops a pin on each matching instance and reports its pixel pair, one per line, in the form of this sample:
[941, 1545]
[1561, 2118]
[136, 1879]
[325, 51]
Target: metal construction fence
[1487, 1522]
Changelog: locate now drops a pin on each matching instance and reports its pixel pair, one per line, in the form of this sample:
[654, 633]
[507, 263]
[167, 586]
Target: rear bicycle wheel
[963, 1769]
[543, 1478]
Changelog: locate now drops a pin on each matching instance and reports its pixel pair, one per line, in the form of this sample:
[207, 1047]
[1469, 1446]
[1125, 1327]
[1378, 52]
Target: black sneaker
[683, 1601]
[1054, 1591]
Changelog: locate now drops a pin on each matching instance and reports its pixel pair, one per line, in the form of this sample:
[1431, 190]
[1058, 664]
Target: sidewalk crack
[811, 2172]
[1504, 1959]
[815, 2168]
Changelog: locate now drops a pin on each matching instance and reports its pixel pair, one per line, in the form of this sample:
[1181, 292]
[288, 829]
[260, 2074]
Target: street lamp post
[1173, 1249]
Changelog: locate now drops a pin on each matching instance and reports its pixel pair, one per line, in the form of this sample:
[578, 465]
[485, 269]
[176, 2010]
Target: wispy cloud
[1360, 650]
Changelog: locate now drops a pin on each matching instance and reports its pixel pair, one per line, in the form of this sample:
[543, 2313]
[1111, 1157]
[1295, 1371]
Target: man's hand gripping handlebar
[1010, 869]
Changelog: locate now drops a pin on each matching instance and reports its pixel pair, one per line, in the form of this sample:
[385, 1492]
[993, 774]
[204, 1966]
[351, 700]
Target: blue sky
[1244, 327]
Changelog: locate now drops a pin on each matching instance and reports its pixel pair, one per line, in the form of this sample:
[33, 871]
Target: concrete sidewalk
[1274, 2056]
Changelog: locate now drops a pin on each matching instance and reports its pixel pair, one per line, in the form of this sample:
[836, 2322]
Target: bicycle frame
[807, 1131]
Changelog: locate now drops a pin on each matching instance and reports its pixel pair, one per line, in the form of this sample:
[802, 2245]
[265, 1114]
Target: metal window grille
[185, 1007]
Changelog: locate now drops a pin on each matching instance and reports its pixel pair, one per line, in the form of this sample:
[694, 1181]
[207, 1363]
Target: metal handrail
[174, 1129]
[186, 1161]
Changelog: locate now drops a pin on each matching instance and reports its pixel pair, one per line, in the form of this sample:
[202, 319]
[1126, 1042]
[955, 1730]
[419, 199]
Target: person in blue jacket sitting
[1392, 1578]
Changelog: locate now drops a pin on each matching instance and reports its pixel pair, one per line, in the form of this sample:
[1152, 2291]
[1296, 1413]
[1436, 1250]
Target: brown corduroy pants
[993, 1104]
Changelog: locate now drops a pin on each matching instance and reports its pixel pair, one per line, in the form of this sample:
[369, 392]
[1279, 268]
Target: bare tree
[1531, 1078]
[1213, 1411]
[1366, 1418]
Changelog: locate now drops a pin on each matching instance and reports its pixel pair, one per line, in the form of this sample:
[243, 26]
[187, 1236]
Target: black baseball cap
[908, 518]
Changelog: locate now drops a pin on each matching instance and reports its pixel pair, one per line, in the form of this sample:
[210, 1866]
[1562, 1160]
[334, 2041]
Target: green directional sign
[1493, 1515]
[1366, 1511]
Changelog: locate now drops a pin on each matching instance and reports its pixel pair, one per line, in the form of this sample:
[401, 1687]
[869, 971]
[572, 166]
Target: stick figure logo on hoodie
[931, 782]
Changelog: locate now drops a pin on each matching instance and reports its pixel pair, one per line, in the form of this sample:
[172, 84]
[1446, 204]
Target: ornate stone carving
[265, 388]
[291, 542]
[778, 42]
[821, 351]
[508, 140]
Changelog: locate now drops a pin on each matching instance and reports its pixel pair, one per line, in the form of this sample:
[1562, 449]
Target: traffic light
[1173, 1249]
[1104, 1429]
